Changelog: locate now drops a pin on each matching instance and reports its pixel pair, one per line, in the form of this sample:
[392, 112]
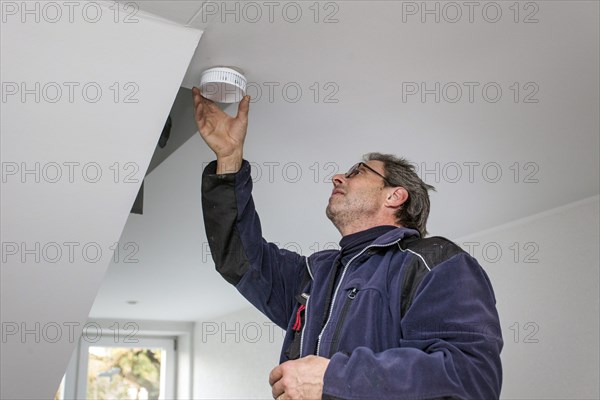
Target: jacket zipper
[340, 284]
[338, 329]
[305, 311]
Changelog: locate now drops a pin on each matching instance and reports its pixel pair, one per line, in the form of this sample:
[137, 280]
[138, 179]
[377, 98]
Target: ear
[396, 197]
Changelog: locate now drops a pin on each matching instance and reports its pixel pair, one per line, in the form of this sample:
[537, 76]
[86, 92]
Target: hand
[299, 379]
[224, 134]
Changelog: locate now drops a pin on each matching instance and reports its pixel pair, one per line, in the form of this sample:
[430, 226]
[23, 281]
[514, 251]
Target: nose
[338, 179]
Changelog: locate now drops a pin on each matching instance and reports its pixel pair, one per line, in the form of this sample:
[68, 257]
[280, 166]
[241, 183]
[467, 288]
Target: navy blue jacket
[408, 318]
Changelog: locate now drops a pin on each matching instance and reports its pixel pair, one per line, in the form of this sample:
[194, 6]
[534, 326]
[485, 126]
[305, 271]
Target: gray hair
[400, 172]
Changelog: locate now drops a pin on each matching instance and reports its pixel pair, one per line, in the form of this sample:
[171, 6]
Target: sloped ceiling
[71, 166]
[373, 77]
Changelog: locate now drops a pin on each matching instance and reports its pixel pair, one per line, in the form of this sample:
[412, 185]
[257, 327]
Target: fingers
[243, 108]
[275, 375]
[275, 382]
[203, 109]
[198, 99]
[198, 107]
[277, 390]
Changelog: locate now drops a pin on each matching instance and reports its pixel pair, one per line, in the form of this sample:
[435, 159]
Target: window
[111, 368]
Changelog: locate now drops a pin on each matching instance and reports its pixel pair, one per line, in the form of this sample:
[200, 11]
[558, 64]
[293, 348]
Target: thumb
[243, 108]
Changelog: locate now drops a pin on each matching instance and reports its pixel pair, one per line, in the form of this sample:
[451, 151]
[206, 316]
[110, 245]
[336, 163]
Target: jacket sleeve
[266, 275]
[450, 346]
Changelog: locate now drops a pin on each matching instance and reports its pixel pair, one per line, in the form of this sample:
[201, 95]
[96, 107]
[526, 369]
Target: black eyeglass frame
[355, 169]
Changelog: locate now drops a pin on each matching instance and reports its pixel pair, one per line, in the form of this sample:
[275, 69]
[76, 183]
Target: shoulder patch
[432, 251]
[429, 253]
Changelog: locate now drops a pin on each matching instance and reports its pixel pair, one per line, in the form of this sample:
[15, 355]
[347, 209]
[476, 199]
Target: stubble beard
[336, 217]
[346, 212]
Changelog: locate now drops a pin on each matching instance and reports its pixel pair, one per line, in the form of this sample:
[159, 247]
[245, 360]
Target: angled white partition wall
[86, 90]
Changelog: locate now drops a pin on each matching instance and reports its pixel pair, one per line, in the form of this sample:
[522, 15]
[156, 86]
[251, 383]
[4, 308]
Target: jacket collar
[394, 236]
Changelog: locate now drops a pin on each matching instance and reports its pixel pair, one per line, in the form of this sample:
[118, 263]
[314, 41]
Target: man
[389, 316]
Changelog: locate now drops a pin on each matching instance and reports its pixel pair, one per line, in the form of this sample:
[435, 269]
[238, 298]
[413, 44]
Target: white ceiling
[363, 61]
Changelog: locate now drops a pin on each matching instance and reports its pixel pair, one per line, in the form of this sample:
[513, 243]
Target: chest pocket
[362, 320]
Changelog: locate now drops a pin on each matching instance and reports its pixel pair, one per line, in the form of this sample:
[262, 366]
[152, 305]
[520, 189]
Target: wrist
[229, 164]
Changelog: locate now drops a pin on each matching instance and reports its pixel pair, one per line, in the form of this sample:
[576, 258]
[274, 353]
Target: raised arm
[266, 275]
[224, 134]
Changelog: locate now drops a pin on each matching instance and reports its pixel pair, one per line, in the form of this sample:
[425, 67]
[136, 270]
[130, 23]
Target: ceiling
[324, 93]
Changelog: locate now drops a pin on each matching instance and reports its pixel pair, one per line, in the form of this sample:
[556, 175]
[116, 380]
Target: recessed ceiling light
[223, 84]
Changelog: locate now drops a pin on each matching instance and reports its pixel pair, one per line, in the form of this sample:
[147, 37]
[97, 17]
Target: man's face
[359, 196]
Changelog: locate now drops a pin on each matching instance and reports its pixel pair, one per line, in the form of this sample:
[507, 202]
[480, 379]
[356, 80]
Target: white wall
[547, 297]
[553, 303]
[234, 355]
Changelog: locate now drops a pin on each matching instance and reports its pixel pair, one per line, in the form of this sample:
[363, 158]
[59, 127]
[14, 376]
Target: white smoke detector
[223, 85]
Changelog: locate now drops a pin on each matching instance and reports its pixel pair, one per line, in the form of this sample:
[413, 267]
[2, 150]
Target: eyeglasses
[352, 172]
